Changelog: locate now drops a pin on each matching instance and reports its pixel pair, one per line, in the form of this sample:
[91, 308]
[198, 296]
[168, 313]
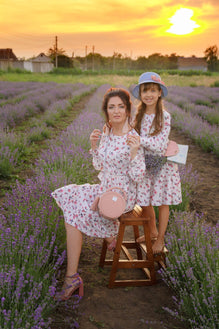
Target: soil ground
[138, 307]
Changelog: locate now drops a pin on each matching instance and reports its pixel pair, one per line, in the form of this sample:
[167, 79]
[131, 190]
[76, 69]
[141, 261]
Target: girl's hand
[94, 138]
[134, 142]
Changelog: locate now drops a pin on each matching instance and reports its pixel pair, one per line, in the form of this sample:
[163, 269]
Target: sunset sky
[133, 28]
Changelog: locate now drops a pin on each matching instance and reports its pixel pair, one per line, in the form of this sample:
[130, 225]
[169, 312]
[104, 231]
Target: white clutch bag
[181, 156]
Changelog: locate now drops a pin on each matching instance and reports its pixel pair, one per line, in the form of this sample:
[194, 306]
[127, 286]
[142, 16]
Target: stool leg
[150, 255]
[103, 254]
[116, 255]
[136, 235]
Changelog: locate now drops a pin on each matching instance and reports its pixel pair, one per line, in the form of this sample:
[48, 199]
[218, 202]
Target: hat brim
[135, 91]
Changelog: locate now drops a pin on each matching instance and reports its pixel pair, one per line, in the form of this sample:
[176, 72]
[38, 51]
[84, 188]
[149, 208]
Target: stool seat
[145, 259]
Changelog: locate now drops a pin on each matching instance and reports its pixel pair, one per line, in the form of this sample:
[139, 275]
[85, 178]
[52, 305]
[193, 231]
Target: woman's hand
[94, 138]
[106, 128]
[134, 142]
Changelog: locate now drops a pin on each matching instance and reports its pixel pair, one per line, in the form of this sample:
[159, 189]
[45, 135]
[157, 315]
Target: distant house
[41, 63]
[192, 63]
[41, 58]
[7, 54]
[7, 58]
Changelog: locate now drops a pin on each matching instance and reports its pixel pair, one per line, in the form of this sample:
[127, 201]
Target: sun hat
[148, 77]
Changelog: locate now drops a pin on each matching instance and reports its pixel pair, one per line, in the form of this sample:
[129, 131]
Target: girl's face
[116, 110]
[150, 94]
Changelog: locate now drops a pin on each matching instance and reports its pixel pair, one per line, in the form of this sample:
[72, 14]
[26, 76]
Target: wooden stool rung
[126, 253]
[145, 260]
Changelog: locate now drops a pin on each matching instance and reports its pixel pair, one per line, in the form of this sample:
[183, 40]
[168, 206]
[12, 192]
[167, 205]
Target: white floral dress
[113, 160]
[164, 187]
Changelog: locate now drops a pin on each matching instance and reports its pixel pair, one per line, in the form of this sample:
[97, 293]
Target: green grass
[113, 79]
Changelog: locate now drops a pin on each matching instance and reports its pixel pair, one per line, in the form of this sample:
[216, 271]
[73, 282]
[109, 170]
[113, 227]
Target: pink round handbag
[110, 204]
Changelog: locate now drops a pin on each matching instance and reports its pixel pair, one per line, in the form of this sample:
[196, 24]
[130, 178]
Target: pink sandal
[69, 289]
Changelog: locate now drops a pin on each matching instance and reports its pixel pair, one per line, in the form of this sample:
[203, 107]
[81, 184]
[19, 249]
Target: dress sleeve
[97, 158]
[158, 143]
[137, 166]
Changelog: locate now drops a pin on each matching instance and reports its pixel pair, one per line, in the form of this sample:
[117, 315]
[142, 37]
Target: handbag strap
[118, 188]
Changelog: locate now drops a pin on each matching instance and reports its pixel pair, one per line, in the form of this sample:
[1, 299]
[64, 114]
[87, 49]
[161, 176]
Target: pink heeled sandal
[69, 289]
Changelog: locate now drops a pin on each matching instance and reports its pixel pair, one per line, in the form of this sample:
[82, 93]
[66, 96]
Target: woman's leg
[149, 212]
[162, 227]
[74, 244]
[72, 280]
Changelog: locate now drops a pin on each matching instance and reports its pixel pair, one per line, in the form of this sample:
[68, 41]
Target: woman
[120, 160]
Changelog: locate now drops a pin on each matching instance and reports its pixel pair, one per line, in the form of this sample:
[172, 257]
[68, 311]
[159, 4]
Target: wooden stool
[147, 264]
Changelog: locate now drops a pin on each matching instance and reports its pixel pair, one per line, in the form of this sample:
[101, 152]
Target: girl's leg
[163, 222]
[149, 212]
[111, 243]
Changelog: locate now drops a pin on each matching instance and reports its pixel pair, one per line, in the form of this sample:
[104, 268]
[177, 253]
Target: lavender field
[32, 239]
[39, 104]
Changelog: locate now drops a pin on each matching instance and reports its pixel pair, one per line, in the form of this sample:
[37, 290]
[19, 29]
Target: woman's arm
[95, 136]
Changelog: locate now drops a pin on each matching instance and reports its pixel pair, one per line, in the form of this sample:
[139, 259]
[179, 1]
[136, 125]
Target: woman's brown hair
[157, 123]
[123, 95]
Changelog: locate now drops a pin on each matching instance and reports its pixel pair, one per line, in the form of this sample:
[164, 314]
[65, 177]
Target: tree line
[95, 61]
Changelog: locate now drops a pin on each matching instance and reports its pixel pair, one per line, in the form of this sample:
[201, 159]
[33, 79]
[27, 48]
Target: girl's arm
[157, 143]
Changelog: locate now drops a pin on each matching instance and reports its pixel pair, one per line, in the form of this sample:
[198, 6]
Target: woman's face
[116, 110]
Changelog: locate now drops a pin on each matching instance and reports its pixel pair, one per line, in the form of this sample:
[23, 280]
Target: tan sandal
[112, 245]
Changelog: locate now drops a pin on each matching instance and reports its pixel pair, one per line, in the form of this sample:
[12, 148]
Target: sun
[182, 23]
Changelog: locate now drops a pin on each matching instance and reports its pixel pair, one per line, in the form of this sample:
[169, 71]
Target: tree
[53, 52]
[211, 56]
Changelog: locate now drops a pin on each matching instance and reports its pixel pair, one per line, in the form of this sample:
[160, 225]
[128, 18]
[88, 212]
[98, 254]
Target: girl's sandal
[142, 239]
[69, 289]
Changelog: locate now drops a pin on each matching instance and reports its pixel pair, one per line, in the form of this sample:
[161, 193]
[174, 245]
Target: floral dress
[113, 160]
[164, 186]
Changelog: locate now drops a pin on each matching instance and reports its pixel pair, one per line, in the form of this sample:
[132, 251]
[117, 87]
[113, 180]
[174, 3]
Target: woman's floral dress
[113, 160]
[164, 186]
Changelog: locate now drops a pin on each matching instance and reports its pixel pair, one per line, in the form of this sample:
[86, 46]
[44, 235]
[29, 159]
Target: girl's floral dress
[113, 160]
[164, 186]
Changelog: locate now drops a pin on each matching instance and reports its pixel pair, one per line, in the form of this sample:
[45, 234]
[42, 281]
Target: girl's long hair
[157, 123]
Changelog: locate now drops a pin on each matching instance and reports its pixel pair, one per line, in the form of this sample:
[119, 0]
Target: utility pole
[85, 58]
[93, 59]
[73, 58]
[56, 51]
[114, 61]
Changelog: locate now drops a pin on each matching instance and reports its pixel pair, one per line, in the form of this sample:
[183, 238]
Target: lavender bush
[204, 134]
[202, 101]
[17, 145]
[32, 234]
[192, 270]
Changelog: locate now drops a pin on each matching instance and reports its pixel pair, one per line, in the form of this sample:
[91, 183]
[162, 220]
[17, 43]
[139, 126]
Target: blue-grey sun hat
[148, 77]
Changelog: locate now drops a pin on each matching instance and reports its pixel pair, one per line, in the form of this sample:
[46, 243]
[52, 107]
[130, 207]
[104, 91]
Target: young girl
[161, 186]
[120, 160]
